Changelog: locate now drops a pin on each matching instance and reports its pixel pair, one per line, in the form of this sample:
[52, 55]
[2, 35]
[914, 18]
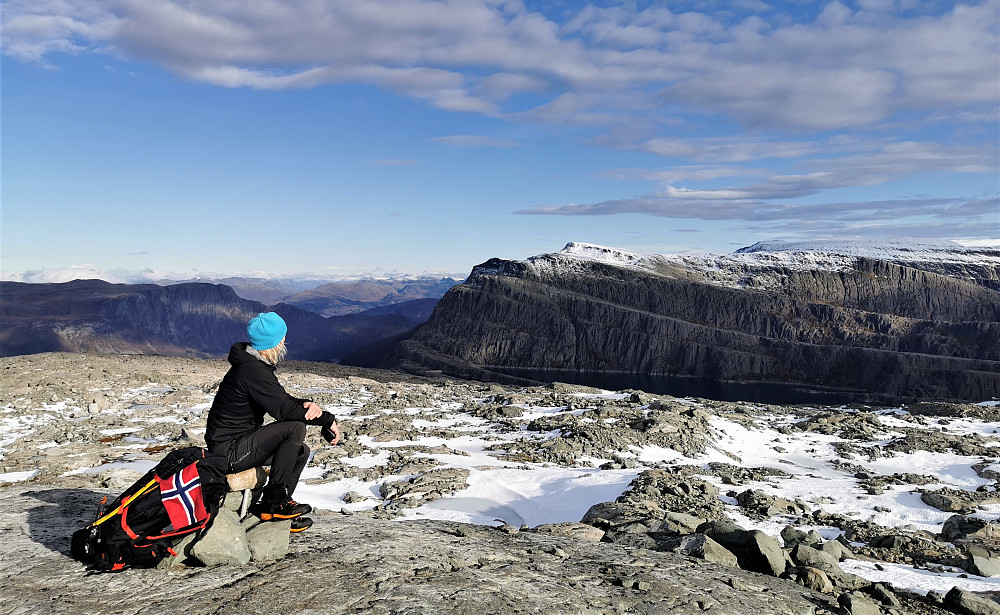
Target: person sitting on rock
[236, 426]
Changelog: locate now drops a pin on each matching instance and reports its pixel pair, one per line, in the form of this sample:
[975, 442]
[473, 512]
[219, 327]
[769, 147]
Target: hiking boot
[300, 524]
[275, 504]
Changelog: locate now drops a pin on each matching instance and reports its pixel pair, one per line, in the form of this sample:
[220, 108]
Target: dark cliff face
[880, 330]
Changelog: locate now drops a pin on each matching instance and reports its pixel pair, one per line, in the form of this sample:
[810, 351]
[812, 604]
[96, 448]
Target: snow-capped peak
[895, 250]
[595, 252]
[948, 257]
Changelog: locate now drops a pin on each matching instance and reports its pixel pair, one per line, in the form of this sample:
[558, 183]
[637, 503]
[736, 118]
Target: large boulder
[837, 550]
[961, 527]
[808, 556]
[605, 515]
[967, 603]
[755, 551]
[703, 547]
[947, 500]
[269, 541]
[983, 563]
[224, 542]
[813, 578]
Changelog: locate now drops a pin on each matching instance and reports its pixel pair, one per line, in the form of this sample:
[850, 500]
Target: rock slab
[352, 564]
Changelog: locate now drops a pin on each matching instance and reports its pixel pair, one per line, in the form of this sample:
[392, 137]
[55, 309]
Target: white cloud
[776, 96]
[847, 68]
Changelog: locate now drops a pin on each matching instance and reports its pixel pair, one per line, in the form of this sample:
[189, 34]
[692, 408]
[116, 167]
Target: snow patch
[16, 477]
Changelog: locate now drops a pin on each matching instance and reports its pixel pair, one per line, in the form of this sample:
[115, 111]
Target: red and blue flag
[181, 496]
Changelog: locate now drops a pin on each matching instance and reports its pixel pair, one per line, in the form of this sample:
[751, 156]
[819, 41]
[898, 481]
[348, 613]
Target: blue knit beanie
[266, 330]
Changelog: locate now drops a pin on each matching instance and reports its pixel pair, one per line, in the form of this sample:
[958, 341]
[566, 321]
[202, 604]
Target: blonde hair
[274, 355]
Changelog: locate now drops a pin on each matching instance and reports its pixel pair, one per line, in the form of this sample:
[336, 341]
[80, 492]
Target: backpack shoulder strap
[124, 504]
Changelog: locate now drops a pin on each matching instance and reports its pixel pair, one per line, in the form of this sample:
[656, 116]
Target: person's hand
[313, 411]
[332, 433]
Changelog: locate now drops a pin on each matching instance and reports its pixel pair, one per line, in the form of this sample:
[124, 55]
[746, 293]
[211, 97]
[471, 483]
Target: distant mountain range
[871, 323]
[876, 323]
[179, 319]
[339, 298]
[329, 297]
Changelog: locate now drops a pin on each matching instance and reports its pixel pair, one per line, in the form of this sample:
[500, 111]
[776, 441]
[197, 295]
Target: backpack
[179, 496]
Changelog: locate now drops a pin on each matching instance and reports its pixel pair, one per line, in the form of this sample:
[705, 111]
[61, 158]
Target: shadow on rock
[62, 512]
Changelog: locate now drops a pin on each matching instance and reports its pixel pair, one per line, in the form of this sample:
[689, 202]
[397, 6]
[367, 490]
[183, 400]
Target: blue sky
[332, 138]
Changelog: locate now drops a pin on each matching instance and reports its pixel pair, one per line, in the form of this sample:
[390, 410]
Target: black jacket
[248, 392]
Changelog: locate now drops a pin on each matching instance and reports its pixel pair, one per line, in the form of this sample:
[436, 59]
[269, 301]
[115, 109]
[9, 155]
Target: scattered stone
[884, 594]
[682, 523]
[946, 501]
[792, 536]
[183, 553]
[813, 578]
[119, 479]
[837, 550]
[423, 488]
[855, 603]
[760, 505]
[719, 527]
[353, 497]
[579, 531]
[961, 527]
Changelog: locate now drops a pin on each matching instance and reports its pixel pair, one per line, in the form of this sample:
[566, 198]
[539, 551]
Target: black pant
[279, 445]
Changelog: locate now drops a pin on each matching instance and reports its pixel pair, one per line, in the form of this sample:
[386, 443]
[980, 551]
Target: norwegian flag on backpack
[181, 496]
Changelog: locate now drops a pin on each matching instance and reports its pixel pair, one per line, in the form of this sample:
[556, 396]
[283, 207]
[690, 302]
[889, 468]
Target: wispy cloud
[396, 163]
[893, 161]
[867, 163]
[474, 141]
[684, 172]
[954, 217]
